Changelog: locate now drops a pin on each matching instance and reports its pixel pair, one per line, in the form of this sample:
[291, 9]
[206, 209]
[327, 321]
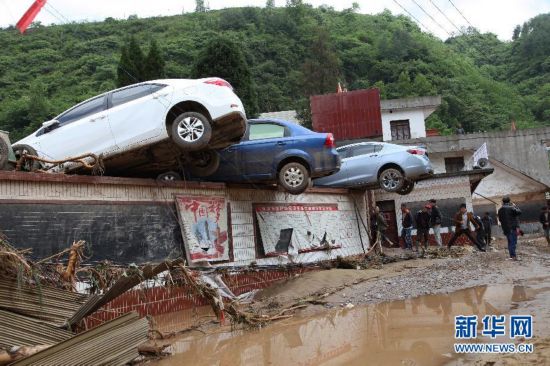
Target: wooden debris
[75, 255]
[17, 353]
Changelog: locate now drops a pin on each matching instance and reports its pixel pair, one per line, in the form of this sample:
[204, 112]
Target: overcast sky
[497, 16]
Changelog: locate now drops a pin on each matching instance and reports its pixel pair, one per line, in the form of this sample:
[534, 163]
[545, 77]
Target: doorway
[387, 208]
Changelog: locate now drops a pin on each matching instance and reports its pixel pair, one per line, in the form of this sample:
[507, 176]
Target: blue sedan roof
[296, 129]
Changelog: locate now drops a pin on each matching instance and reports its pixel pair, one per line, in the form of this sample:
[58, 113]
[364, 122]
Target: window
[343, 151]
[362, 150]
[266, 131]
[128, 94]
[400, 130]
[84, 110]
[453, 165]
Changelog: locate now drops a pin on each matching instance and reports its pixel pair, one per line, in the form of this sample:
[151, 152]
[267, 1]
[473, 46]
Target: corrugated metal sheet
[349, 115]
[41, 302]
[19, 330]
[113, 343]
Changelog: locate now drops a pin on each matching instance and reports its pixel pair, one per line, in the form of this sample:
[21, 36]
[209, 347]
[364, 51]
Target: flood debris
[34, 314]
[19, 330]
[249, 317]
[42, 302]
[87, 161]
[113, 343]
[378, 259]
[127, 280]
[19, 352]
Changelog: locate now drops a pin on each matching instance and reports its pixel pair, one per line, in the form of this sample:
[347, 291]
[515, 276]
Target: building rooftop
[410, 103]
[284, 115]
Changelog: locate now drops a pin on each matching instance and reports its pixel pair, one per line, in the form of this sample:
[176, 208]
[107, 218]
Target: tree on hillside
[130, 68]
[320, 73]
[154, 63]
[123, 76]
[517, 32]
[223, 57]
[27, 113]
[321, 69]
[200, 6]
[270, 4]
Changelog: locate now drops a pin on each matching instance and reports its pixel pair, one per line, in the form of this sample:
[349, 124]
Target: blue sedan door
[265, 141]
[231, 165]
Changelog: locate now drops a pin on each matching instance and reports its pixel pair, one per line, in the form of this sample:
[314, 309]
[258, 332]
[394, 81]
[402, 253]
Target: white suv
[146, 128]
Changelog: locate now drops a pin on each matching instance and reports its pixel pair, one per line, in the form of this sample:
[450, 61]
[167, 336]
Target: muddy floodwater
[417, 331]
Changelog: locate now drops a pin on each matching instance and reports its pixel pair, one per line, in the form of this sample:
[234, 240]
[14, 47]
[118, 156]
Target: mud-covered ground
[404, 283]
[415, 275]
[421, 277]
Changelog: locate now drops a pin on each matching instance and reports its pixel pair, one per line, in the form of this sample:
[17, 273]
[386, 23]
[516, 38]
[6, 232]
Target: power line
[445, 15]
[53, 15]
[459, 12]
[412, 16]
[454, 25]
[432, 18]
[48, 4]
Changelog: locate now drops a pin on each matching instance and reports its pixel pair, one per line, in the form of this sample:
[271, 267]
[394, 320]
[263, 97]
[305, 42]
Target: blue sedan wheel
[391, 180]
[294, 178]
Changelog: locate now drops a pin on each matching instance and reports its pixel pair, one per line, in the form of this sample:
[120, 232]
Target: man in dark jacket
[545, 222]
[423, 226]
[480, 231]
[406, 226]
[462, 221]
[508, 215]
[487, 224]
[435, 221]
[381, 226]
[373, 226]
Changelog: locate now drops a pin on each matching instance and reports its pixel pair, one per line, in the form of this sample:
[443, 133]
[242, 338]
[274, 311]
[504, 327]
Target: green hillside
[291, 52]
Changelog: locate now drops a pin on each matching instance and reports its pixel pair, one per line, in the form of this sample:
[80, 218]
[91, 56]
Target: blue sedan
[278, 151]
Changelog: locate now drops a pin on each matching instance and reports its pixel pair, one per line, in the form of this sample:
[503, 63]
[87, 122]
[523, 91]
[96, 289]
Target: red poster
[203, 220]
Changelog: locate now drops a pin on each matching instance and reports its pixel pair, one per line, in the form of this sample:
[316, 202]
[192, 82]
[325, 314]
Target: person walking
[423, 226]
[480, 231]
[435, 221]
[381, 226]
[462, 221]
[508, 215]
[544, 219]
[406, 226]
[487, 225]
[373, 226]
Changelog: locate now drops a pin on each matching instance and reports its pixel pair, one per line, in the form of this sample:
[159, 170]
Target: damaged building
[141, 220]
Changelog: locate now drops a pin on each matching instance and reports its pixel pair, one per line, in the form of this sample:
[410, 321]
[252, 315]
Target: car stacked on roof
[198, 127]
[393, 168]
[278, 151]
[148, 127]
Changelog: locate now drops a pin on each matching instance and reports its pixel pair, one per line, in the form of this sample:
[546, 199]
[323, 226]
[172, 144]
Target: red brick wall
[163, 300]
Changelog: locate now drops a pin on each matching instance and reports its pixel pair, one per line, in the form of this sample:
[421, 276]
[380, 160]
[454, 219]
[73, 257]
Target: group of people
[429, 217]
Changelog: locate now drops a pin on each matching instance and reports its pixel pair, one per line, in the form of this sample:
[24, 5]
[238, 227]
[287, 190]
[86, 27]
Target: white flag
[481, 153]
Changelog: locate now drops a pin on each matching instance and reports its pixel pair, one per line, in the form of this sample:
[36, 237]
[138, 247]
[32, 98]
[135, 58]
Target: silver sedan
[394, 168]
